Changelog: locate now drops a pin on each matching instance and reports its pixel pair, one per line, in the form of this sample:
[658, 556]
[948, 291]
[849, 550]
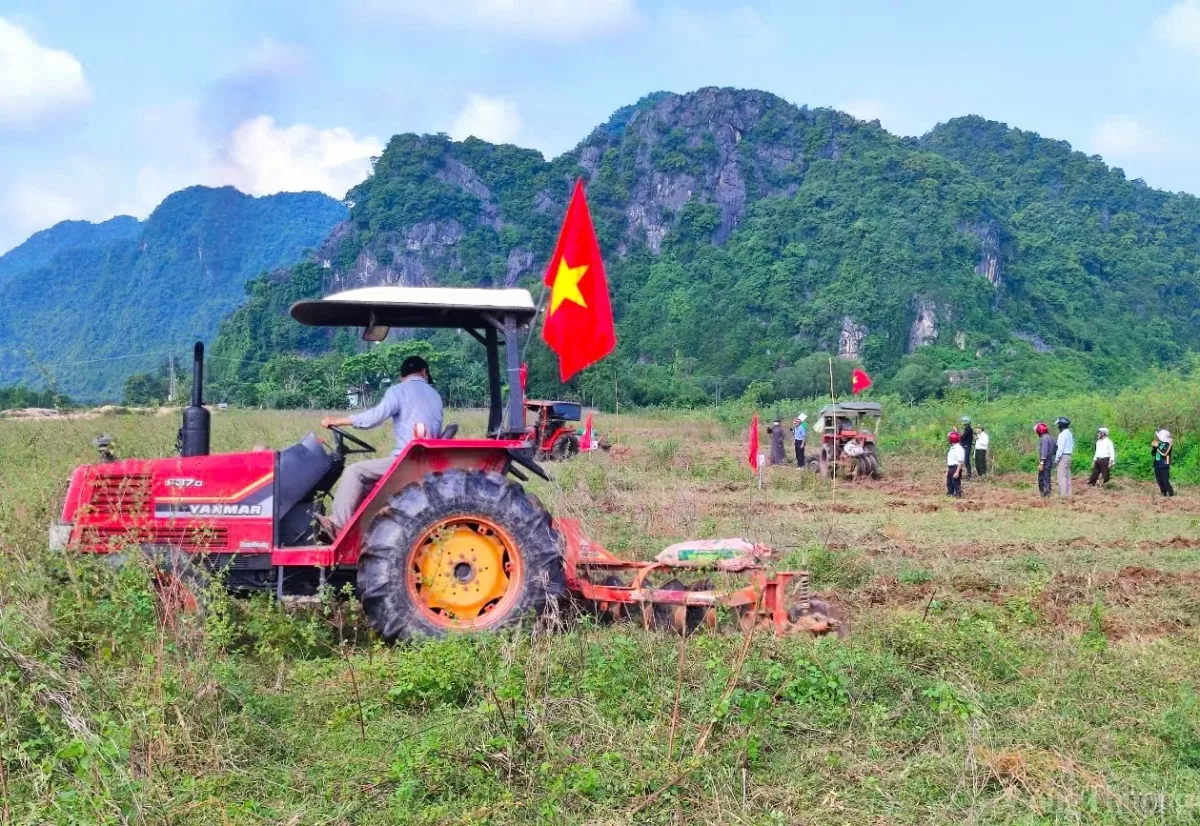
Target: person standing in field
[776, 432]
[1161, 452]
[982, 440]
[1045, 457]
[1105, 458]
[799, 436]
[1062, 455]
[967, 440]
[956, 457]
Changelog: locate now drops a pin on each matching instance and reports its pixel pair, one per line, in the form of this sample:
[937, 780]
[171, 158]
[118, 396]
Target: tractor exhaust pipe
[194, 435]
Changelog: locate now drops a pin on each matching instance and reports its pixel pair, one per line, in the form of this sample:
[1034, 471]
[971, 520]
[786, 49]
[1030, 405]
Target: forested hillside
[745, 235]
[83, 305]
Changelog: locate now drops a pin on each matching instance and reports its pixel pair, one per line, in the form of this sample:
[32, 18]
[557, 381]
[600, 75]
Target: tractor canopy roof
[852, 409]
[571, 411]
[421, 307]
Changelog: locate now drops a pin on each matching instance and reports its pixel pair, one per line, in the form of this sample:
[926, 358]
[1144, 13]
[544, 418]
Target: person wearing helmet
[967, 440]
[955, 459]
[1045, 457]
[799, 436]
[1062, 455]
[1105, 458]
[1160, 451]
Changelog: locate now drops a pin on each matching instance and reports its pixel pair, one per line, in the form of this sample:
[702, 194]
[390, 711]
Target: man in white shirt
[956, 457]
[982, 440]
[1105, 458]
[1062, 455]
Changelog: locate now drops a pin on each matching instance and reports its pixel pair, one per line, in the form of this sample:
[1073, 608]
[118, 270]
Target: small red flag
[579, 321]
[753, 458]
[587, 432]
[524, 376]
[859, 381]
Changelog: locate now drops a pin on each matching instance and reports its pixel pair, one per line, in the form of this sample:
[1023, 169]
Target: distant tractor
[847, 431]
[553, 431]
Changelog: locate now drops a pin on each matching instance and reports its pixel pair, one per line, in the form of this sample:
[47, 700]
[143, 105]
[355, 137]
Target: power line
[113, 358]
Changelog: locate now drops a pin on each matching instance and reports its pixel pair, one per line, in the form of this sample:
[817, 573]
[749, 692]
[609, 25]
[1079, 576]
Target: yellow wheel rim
[463, 571]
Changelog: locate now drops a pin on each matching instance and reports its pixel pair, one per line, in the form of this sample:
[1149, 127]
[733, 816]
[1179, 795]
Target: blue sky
[105, 108]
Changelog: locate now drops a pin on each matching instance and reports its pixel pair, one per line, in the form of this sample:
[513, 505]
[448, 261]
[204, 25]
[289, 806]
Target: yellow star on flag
[566, 285]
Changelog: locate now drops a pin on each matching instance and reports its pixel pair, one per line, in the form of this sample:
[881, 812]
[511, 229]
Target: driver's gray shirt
[413, 401]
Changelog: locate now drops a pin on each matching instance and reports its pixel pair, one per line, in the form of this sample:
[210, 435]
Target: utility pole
[171, 381]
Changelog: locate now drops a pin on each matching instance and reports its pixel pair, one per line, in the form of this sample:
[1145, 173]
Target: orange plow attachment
[622, 589]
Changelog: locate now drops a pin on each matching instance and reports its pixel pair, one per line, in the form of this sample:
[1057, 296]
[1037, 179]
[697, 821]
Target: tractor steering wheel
[340, 437]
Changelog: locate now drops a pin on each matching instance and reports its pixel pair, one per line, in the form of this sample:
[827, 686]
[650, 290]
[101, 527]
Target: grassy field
[1011, 660]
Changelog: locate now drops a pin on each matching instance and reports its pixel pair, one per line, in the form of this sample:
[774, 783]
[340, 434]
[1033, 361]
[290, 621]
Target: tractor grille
[121, 495]
[190, 539]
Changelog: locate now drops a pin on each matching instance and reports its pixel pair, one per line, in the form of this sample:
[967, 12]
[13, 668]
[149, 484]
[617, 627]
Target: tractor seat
[449, 431]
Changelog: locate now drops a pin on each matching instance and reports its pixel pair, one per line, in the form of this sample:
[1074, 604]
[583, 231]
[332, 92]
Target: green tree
[146, 389]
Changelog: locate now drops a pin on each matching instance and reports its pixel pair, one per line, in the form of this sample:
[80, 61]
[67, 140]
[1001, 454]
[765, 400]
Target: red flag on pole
[859, 381]
[587, 432]
[753, 458]
[579, 320]
[524, 376]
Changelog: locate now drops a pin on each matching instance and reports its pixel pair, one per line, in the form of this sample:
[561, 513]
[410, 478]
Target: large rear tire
[565, 447]
[460, 551]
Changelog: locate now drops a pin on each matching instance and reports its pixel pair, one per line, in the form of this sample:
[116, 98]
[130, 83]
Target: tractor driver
[415, 409]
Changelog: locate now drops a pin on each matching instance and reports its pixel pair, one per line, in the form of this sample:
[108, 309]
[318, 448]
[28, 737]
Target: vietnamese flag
[579, 320]
[753, 457]
[859, 381]
[587, 432]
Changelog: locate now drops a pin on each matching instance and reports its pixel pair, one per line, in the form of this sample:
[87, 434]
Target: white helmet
[1163, 435]
[1103, 431]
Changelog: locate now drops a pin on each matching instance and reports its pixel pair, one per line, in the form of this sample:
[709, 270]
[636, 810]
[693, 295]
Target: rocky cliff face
[720, 147]
[851, 338]
[924, 329]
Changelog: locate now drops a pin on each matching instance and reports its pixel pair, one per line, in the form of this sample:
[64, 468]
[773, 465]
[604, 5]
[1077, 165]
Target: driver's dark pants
[800, 453]
[357, 481]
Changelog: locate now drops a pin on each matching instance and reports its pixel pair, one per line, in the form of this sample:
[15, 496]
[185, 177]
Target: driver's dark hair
[413, 364]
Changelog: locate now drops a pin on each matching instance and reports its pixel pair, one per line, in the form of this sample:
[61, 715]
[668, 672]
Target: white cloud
[263, 158]
[1121, 136]
[39, 86]
[259, 157]
[549, 20]
[494, 119]
[1179, 26]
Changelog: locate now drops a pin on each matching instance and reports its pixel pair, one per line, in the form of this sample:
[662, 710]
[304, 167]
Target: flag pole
[536, 314]
[834, 464]
[617, 414]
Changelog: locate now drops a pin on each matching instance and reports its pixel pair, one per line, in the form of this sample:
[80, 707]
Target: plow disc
[655, 594]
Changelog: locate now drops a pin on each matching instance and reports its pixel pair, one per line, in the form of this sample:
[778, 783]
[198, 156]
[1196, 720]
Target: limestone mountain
[744, 234]
[84, 305]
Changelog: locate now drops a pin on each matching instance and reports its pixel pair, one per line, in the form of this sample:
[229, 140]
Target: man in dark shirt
[967, 440]
[1046, 449]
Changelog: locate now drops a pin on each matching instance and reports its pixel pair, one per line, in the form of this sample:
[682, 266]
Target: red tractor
[448, 540]
[847, 435]
[553, 431]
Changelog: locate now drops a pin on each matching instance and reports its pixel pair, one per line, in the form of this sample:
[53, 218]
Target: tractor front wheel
[459, 551]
